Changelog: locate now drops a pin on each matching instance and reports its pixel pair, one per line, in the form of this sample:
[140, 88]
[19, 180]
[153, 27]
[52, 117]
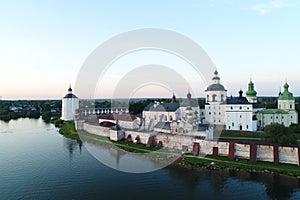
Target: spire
[189, 96]
[279, 91]
[286, 86]
[70, 89]
[216, 77]
[216, 73]
[173, 98]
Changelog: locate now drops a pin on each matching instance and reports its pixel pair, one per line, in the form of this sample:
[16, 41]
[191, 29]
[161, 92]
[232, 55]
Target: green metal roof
[251, 92]
[273, 111]
[286, 95]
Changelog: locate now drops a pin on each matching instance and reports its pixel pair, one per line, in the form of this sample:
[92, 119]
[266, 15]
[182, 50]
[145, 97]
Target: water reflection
[71, 145]
[276, 186]
[121, 160]
[34, 158]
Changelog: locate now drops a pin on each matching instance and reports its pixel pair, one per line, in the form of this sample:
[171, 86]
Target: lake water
[36, 162]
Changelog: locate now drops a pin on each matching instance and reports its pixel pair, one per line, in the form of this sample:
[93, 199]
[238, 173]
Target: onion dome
[286, 95]
[251, 92]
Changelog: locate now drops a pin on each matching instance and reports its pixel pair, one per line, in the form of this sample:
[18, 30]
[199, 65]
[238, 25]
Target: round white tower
[69, 105]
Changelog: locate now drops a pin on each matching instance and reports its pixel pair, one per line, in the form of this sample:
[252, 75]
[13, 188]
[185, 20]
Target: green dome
[286, 95]
[251, 92]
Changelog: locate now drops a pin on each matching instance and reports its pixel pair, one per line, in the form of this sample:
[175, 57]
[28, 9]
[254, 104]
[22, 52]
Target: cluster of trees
[30, 109]
[278, 133]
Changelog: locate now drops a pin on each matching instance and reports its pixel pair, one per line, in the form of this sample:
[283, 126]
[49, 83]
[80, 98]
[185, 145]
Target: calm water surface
[36, 162]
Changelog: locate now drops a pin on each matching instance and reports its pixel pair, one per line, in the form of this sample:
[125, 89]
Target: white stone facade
[240, 117]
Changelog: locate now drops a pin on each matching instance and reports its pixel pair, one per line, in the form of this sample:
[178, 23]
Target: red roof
[120, 117]
[107, 124]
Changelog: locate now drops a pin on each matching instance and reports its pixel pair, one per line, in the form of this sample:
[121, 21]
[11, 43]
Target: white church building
[231, 113]
[222, 112]
[285, 113]
[70, 103]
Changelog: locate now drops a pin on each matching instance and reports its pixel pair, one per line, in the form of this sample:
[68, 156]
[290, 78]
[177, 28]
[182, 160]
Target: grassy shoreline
[220, 162]
[68, 130]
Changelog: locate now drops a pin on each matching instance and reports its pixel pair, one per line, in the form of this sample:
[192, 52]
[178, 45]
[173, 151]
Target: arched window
[214, 97]
[222, 97]
[207, 98]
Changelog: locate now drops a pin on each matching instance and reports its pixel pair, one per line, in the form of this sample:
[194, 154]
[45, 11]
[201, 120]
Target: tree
[280, 134]
[46, 116]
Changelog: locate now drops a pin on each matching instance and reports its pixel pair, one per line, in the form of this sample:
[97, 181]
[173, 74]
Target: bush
[280, 134]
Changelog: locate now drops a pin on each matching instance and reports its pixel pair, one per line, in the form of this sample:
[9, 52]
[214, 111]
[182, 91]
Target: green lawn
[288, 169]
[66, 128]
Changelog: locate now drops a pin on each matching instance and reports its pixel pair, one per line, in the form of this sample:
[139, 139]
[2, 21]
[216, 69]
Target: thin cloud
[266, 7]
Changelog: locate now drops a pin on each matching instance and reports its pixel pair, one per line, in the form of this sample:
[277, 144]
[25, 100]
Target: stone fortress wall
[251, 151]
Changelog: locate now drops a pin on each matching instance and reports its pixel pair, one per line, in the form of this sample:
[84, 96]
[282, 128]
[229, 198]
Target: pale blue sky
[43, 44]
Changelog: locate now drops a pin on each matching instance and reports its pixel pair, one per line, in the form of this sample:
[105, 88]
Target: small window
[219, 113]
[290, 106]
[232, 124]
[271, 117]
[247, 126]
[291, 117]
[209, 113]
[240, 116]
[276, 117]
[231, 107]
[282, 117]
[229, 127]
[240, 107]
[248, 108]
[214, 113]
